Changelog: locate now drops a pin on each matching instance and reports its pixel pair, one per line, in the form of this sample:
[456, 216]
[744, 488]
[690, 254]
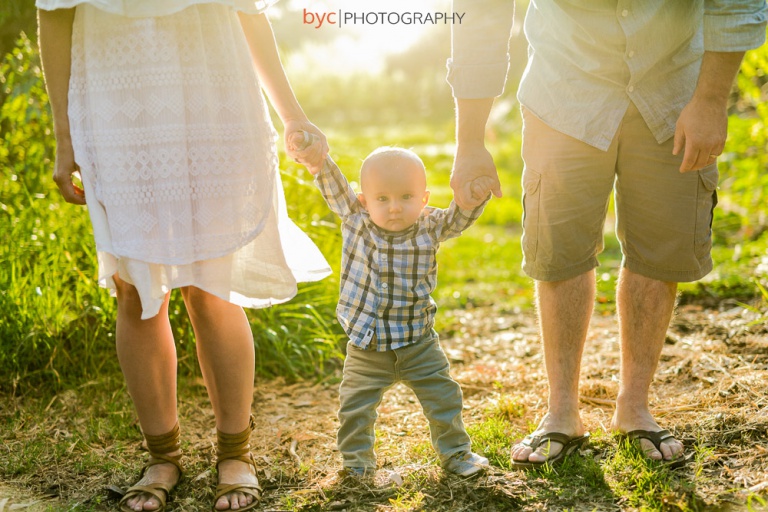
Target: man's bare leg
[565, 308]
[645, 308]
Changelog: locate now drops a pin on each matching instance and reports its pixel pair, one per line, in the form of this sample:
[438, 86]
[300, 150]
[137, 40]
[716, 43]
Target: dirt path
[710, 389]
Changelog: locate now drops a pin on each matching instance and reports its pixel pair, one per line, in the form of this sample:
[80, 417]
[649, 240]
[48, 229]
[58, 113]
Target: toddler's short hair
[389, 154]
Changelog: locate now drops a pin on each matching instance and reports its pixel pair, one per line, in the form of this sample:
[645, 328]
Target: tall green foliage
[56, 324]
[744, 184]
[51, 320]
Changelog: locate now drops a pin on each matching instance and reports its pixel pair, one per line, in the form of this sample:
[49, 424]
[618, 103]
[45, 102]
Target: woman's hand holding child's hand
[309, 153]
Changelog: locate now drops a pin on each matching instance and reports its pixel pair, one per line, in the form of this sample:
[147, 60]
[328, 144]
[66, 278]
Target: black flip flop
[570, 444]
[657, 438]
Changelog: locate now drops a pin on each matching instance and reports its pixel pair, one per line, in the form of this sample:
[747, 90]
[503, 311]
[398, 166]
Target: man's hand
[703, 124]
[313, 156]
[65, 170]
[474, 176]
[701, 131]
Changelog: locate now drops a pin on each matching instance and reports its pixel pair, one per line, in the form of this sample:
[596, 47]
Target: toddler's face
[394, 193]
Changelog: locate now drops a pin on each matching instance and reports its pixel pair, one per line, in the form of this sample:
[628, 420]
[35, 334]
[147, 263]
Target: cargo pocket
[705, 206]
[531, 206]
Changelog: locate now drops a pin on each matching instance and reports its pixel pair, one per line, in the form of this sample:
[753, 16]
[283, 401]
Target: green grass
[56, 324]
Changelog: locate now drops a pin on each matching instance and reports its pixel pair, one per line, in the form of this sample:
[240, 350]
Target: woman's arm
[266, 59]
[56, 55]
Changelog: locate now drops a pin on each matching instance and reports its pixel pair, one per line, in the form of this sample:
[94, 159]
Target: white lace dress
[177, 153]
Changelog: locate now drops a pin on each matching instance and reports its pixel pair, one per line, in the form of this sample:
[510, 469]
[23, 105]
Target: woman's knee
[127, 294]
[201, 303]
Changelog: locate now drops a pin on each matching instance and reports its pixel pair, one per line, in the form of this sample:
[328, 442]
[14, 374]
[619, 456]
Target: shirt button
[384, 257]
[631, 53]
[384, 285]
[631, 88]
[624, 13]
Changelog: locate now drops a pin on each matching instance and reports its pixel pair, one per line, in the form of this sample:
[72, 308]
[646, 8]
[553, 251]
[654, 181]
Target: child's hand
[306, 144]
[481, 187]
[474, 176]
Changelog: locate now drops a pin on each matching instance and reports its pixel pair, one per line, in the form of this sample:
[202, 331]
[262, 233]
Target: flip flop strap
[654, 437]
[534, 442]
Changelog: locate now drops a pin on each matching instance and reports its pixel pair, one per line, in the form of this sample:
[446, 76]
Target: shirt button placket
[624, 13]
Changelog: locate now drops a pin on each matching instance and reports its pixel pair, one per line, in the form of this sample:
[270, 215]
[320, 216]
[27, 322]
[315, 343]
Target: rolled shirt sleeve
[479, 48]
[452, 221]
[733, 25]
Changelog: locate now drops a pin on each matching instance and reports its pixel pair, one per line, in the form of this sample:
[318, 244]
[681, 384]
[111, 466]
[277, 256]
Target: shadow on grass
[427, 488]
[610, 474]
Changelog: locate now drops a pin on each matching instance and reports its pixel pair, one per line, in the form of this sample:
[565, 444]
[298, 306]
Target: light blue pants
[422, 367]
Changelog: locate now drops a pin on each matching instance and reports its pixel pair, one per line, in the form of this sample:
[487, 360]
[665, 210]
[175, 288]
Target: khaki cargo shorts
[663, 216]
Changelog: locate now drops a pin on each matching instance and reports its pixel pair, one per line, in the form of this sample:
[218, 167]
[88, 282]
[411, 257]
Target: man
[624, 95]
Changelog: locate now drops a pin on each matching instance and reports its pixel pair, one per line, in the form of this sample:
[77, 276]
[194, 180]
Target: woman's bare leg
[227, 359]
[147, 355]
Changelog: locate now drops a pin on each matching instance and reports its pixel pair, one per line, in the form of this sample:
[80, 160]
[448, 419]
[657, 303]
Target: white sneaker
[465, 463]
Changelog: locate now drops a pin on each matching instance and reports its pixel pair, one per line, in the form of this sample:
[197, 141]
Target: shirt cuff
[477, 82]
[734, 33]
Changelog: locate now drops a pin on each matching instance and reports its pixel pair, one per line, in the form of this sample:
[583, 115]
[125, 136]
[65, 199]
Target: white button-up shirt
[588, 59]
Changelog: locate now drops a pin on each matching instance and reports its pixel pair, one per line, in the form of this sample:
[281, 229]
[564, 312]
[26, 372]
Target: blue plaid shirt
[386, 276]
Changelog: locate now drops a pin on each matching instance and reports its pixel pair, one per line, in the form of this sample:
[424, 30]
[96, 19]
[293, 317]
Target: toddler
[388, 271]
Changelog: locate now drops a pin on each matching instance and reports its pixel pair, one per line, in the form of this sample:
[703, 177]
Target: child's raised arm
[452, 221]
[335, 188]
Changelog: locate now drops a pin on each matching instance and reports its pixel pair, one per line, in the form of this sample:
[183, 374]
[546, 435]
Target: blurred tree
[16, 16]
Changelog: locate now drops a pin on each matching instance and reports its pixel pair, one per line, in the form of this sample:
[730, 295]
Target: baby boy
[388, 271]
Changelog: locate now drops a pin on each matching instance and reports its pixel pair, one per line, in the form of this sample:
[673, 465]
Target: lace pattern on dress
[171, 130]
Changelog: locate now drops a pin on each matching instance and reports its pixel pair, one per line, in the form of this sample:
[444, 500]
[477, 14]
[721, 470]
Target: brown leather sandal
[237, 447]
[159, 447]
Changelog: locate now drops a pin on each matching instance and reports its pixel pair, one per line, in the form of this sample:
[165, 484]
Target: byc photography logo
[324, 18]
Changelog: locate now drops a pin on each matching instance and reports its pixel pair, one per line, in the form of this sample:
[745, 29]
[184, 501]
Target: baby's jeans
[422, 367]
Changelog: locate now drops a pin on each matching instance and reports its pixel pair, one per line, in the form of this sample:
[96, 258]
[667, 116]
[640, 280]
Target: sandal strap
[164, 443]
[161, 458]
[235, 446]
[158, 491]
[254, 490]
[161, 446]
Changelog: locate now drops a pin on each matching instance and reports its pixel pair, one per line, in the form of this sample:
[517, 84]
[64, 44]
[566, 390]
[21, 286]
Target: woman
[157, 104]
